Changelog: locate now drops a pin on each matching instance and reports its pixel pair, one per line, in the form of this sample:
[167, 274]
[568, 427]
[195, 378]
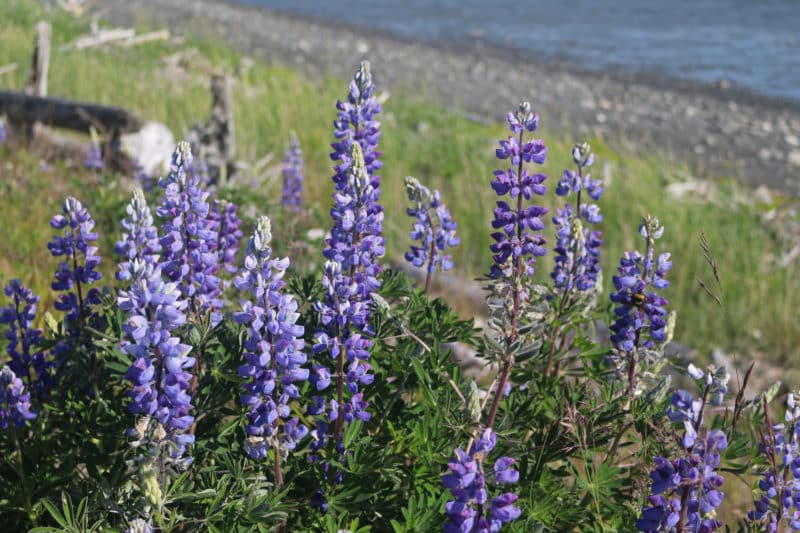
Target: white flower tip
[694, 372]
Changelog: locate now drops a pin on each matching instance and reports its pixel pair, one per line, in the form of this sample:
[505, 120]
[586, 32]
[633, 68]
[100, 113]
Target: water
[751, 44]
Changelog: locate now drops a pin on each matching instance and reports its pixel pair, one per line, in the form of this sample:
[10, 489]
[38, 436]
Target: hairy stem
[517, 296]
[431, 267]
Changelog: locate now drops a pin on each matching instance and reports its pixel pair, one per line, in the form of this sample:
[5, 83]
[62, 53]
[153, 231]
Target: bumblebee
[638, 299]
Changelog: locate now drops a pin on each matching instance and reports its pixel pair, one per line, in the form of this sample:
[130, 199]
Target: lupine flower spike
[642, 320]
[74, 275]
[350, 274]
[777, 507]
[433, 227]
[27, 361]
[517, 245]
[15, 405]
[140, 240]
[3, 131]
[274, 356]
[349, 279]
[226, 224]
[159, 375]
[687, 491]
[189, 237]
[471, 511]
[515, 250]
[577, 250]
[355, 121]
[292, 196]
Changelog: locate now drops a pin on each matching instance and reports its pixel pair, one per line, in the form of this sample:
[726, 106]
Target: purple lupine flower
[292, 196]
[471, 510]
[355, 121]
[74, 274]
[93, 159]
[140, 238]
[189, 239]
[27, 361]
[778, 500]
[3, 131]
[433, 227]
[577, 250]
[349, 279]
[640, 306]
[226, 223]
[516, 242]
[686, 491]
[351, 270]
[160, 372]
[274, 356]
[15, 405]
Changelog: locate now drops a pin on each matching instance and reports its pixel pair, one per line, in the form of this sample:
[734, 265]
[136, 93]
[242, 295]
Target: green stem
[21, 473]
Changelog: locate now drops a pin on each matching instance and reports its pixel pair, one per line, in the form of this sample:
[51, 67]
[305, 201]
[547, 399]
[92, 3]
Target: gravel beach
[718, 129]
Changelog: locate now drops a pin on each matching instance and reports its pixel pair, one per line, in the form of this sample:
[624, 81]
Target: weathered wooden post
[215, 141]
[40, 63]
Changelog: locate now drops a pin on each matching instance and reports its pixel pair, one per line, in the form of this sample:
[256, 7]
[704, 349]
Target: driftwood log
[21, 108]
[35, 119]
[126, 141]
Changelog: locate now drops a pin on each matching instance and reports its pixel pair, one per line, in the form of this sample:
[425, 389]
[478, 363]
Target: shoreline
[730, 132]
[721, 89]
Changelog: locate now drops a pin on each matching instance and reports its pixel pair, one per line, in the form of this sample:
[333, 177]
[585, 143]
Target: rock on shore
[719, 130]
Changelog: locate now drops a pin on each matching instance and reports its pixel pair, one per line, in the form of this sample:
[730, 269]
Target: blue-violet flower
[292, 196]
[577, 249]
[778, 501]
[226, 223]
[273, 350]
[140, 238]
[433, 227]
[686, 491]
[74, 274]
[516, 242]
[349, 279]
[27, 361]
[355, 121]
[15, 405]
[159, 373]
[189, 239]
[639, 305]
[471, 511]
